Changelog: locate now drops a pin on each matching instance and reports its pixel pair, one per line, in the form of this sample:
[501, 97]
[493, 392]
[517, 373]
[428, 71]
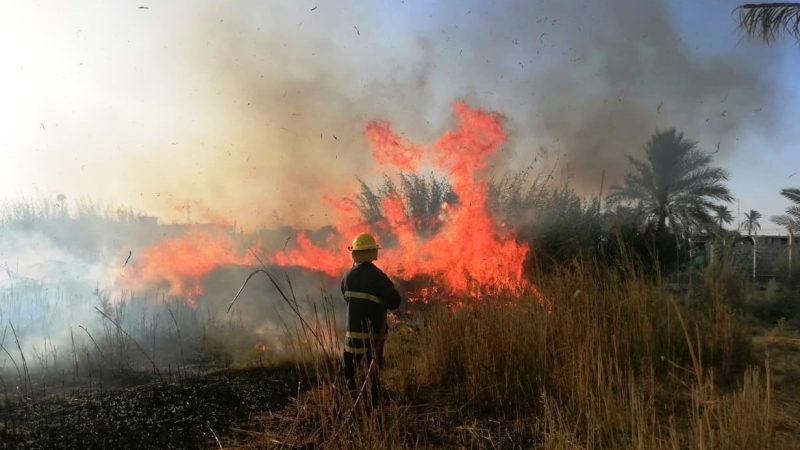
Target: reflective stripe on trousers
[365, 339]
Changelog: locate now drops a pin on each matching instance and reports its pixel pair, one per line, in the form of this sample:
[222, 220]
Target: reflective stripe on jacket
[369, 293]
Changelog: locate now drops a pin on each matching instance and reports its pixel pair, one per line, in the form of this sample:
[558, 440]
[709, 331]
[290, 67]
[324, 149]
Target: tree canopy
[751, 223]
[790, 220]
[767, 21]
[674, 184]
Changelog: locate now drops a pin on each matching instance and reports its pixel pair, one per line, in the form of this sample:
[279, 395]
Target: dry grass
[618, 362]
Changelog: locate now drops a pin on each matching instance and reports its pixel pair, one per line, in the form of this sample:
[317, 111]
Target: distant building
[772, 257]
[775, 241]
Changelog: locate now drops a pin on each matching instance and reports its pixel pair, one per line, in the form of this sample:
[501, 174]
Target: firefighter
[368, 293]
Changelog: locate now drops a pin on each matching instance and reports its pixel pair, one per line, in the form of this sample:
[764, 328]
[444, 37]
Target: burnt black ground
[156, 415]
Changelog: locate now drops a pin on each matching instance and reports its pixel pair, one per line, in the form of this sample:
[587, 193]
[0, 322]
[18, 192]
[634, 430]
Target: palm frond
[674, 184]
[695, 159]
[702, 179]
[722, 214]
[792, 194]
[750, 222]
[787, 222]
[767, 21]
[794, 212]
[752, 216]
[634, 189]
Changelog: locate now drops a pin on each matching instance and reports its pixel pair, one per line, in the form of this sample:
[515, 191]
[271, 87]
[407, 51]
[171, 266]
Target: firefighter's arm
[389, 293]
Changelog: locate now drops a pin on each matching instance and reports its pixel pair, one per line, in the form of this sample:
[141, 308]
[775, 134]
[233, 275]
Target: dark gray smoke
[257, 109]
[580, 83]
[584, 83]
[623, 70]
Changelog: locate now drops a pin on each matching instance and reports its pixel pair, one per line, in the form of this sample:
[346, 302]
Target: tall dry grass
[616, 362]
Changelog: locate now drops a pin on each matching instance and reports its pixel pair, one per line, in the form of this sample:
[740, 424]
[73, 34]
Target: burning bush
[425, 203]
[464, 247]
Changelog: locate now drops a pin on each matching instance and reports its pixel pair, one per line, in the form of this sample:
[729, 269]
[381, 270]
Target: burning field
[564, 357]
[163, 312]
[469, 253]
[551, 185]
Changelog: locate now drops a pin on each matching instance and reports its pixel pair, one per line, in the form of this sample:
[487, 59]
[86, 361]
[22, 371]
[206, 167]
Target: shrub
[772, 302]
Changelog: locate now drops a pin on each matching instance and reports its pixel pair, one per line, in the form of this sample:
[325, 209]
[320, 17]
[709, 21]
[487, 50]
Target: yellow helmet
[363, 241]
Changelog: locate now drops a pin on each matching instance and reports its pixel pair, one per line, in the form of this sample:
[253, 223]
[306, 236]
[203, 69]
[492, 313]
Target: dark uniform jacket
[369, 293]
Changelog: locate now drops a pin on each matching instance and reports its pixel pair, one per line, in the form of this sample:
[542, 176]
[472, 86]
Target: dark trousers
[352, 361]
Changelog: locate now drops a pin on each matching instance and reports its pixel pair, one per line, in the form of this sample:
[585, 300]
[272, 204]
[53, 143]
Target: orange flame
[391, 149]
[470, 254]
[182, 262]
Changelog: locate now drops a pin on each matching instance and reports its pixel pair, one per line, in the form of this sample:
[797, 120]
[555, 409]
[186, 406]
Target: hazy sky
[256, 108]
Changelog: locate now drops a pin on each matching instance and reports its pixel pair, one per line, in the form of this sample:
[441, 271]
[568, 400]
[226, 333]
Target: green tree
[674, 185]
[767, 21]
[750, 222]
[722, 215]
[790, 220]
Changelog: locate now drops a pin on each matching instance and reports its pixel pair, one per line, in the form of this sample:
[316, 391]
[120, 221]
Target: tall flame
[469, 254]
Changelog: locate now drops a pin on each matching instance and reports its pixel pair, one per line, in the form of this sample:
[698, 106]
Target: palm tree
[766, 21]
[722, 215]
[674, 185]
[790, 220]
[750, 222]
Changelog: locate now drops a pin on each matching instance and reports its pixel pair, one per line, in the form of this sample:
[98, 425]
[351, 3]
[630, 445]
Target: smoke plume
[581, 84]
